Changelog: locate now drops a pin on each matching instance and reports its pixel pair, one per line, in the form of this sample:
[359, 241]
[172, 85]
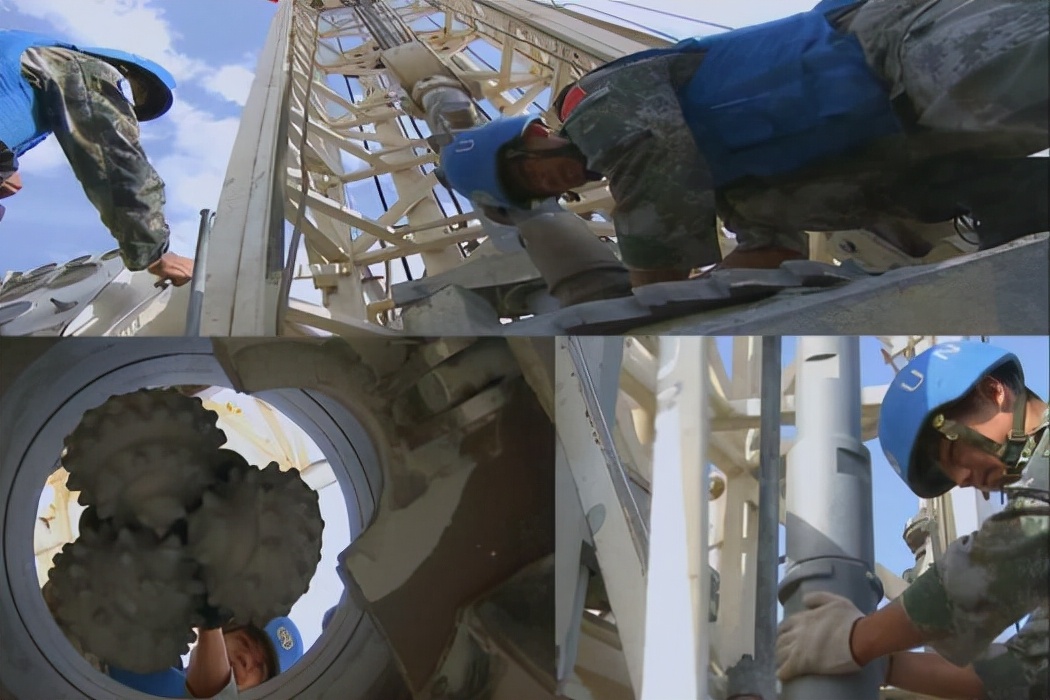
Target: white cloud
[231, 82]
[194, 166]
[184, 236]
[189, 147]
[131, 25]
[138, 26]
[45, 158]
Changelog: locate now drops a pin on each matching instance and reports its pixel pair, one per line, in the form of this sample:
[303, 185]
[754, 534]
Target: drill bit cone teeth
[125, 595]
[257, 537]
[178, 533]
[144, 457]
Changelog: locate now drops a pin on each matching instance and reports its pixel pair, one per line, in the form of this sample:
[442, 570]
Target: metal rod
[699, 477]
[830, 539]
[200, 271]
[768, 517]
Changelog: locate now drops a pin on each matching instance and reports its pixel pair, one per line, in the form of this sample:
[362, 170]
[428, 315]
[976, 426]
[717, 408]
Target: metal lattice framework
[332, 180]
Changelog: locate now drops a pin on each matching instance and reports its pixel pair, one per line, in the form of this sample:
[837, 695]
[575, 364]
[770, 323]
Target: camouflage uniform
[985, 94]
[989, 580]
[631, 129]
[90, 114]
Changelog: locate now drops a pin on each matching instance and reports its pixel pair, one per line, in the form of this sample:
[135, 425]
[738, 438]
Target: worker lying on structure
[853, 115]
[225, 661]
[959, 414]
[92, 99]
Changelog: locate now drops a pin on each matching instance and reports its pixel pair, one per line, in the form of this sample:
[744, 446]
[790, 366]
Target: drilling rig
[333, 217]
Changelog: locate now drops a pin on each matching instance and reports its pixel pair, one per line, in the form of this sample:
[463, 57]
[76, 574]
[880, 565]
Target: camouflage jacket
[992, 579]
[89, 111]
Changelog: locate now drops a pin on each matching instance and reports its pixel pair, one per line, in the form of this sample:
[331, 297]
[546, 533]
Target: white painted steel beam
[239, 297]
[623, 569]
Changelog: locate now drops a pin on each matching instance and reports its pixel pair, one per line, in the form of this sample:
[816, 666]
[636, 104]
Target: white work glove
[816, 640]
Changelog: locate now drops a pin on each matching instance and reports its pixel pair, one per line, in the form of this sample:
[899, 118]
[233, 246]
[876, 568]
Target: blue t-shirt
[167, 684]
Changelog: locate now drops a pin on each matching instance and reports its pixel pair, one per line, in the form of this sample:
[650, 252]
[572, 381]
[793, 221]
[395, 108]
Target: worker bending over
[959, 414]
[870, 114]
[92, 100]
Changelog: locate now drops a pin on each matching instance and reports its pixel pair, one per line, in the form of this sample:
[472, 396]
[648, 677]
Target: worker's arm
[209, 670]
[984, 583]
[883, 632]
[930, 674]
[1019, 668]
[95, 124]
[631, 129]
[11, 186]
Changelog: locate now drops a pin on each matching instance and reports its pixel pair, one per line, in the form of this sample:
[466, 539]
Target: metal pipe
[678, 617]
[766, 573]
[696, 477]
[830, 541]
[200, 271]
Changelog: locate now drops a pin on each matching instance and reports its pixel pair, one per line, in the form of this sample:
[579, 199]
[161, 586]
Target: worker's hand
[213, 618]
[174, 268]
[10, 186]
[816, 640]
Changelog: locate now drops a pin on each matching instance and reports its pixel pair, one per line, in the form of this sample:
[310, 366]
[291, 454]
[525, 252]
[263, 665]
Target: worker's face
[965, 463]
[247, 659]
[968, 465]
[544, 173]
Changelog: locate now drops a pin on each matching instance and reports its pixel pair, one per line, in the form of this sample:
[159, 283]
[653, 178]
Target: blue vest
[776, 97]
[22, 122]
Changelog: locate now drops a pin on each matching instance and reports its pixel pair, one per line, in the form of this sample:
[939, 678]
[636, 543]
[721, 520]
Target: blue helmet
[470, 163]
[157, 82]
[285, 641]
[939, 376]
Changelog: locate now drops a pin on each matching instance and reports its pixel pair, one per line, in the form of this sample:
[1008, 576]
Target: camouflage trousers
[88, 108]
[974, 75]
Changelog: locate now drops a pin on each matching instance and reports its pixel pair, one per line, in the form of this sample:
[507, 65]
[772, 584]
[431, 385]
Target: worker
[92, 100]
[959, 414]
[868, 114]
[225, 661]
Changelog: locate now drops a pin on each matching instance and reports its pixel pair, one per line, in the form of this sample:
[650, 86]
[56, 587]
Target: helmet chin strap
[568, 150]
[1009, 452]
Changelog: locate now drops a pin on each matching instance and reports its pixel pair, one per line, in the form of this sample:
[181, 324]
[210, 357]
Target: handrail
[197, 282]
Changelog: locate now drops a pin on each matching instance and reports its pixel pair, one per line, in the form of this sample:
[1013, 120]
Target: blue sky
[893, 502]
[211, 47]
